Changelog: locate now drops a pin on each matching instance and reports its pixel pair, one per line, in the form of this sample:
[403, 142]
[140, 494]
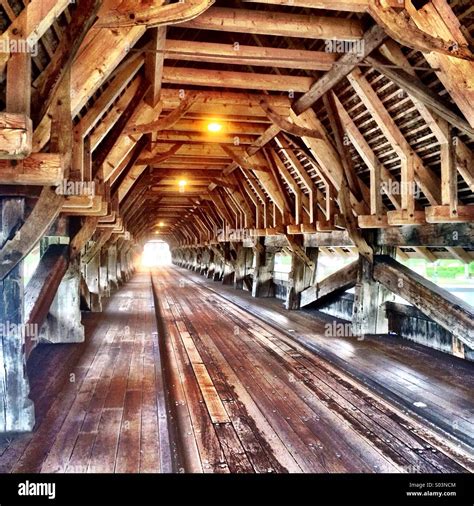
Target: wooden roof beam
[154, 15]
[33, 21]
[188, 50]
[337, 5]
[429, 182]
[456, 74]
[349, 61]
[281, 24]
[229, 79]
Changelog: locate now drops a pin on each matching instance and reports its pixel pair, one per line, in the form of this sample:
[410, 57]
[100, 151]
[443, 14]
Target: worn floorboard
[278, 406]
[252, 388]
[98, 403]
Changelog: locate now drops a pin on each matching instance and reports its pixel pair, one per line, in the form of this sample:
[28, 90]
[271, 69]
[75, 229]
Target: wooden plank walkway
[435, 387]
[245, 397]
[99, 404]
[250, 398]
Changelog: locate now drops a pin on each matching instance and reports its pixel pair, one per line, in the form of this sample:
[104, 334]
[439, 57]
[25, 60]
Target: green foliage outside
[442, 269]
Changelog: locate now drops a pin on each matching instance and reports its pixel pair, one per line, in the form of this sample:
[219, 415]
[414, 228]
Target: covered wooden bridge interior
[236, 132]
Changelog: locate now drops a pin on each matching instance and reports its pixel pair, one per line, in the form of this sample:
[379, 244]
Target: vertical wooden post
[16, 409]
[112, 267]
[104, 287]
[240, 267]
[300, 278]
[93, 283]
[263, 272]
[63, 323]
[118, 263]
[211, 266]
[369, 315]
[228, 270]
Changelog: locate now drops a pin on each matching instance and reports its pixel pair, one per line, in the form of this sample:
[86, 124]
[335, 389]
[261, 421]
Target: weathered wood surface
[16, 409]
[42, 287]
[16, 135]
[405, 375]
[99, 404]
[444, 308]
[305, 414]
[37, 169]
[338, 282]
[46, 210]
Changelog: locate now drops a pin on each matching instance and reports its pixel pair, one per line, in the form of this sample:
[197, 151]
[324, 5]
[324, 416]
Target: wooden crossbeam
[337, 5]
[38, 168]
[276, 23]
[230, 79]
[188, 50]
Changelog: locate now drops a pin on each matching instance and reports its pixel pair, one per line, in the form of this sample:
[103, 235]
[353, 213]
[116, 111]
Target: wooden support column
[240, 270]
[301, 277]
[63, 323]
[370, 296]
[205, 258]
[211, 266]
[228, 269]
[104, 286]
[218, 265]
[92, 276]
[112, 267]
[16, 409]
[123, 266]
[263, 273]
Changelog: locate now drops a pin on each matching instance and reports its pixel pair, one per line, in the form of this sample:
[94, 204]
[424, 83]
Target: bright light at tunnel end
[156, 254]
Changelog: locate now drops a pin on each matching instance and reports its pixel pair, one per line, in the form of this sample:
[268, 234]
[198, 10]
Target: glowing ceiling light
[182, 185]
[214, 127]
[161, 224]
